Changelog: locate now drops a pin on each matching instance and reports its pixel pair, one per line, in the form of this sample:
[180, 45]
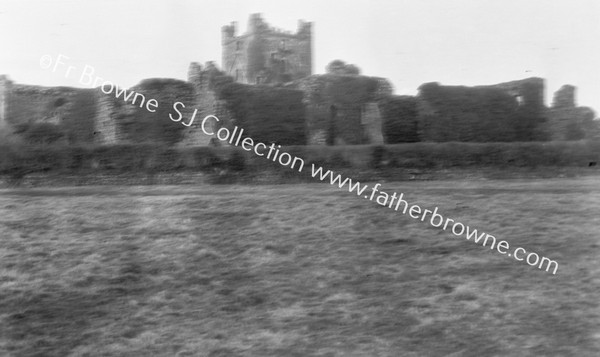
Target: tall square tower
[267, 55]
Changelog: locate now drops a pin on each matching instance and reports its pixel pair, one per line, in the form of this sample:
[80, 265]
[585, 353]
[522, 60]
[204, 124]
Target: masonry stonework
[372, 123]
[338, 108]
[566, 121]
[35, 104]
[106, 129]
[564, 97]
[266, 55]
[511, 111]
[208, 104]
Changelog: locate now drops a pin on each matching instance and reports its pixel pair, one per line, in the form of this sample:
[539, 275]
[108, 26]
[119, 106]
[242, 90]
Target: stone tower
[267, 55]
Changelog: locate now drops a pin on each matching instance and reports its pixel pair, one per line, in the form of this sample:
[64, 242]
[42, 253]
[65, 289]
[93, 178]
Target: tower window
[519, 99]
[237, 45]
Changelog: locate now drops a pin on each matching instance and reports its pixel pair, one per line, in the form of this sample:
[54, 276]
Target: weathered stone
[207, 103]
[372, 123]
[343, 108]
[106, 130]
[267, 55]
[34, 104]
[511, 111]
[564, 97]
[567, 121]
[527, 92]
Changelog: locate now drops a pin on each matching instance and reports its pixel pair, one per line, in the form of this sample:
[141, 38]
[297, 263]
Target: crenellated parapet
[265, 54]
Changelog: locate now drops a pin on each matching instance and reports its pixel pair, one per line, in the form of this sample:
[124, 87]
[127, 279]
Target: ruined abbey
[266, 84]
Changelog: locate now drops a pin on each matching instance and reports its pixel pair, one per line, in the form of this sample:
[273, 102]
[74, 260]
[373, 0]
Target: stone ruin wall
[527, 92]
[372, 123]
[208, 104]
[353, 124]
[106, 128]
[36, 104]
[567, 121]
[462, 113]
[20, 104]
[331, 122]
[28, 104]
[564, 97]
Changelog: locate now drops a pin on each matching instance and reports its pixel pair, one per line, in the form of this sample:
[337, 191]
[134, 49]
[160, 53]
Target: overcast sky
[410, 42]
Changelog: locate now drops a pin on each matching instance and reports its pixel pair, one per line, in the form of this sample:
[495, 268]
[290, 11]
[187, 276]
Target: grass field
[297, 270]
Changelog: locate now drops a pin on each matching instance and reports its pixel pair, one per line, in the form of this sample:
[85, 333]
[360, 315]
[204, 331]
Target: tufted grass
[297, 270]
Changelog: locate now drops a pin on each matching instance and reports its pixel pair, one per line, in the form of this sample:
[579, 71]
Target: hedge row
[20, 160]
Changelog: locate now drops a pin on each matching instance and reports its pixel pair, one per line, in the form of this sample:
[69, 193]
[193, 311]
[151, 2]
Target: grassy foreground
[297, 270]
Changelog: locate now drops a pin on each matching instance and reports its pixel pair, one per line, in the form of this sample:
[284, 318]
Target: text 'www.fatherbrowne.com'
[398, 203]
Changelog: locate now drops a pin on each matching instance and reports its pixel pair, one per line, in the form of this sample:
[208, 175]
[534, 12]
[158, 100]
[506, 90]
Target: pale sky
[409, 42]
